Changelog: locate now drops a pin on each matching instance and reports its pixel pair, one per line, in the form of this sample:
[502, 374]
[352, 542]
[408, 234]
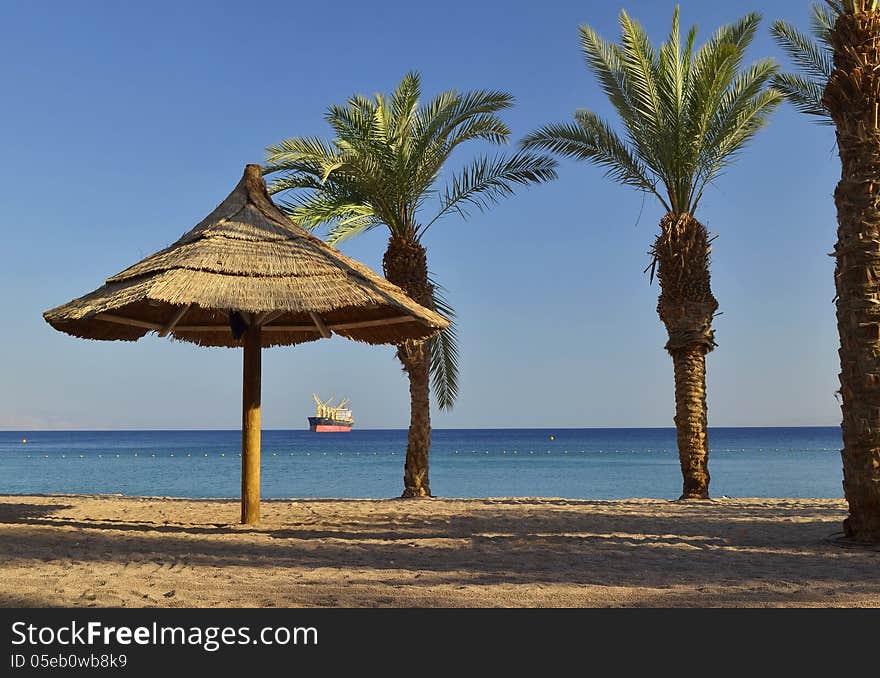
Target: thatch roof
[247, 256]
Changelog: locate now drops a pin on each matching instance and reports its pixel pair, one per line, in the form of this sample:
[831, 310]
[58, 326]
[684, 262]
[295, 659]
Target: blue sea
[575, 463]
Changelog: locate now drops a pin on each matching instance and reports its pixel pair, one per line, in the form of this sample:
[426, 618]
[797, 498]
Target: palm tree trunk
[406, 265]
[689, 366]
[853, 99]
[686, 306]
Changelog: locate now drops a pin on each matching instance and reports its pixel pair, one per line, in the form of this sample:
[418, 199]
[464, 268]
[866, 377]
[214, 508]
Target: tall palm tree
[383, 168]
[852, 99]
[686, 113]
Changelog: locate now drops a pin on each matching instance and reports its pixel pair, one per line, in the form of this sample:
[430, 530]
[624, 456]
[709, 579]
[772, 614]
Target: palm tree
[686, 114]
[852, 99]
[383, 169]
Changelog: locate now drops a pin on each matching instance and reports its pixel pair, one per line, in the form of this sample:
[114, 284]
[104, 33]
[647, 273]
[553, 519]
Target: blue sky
[124, 124]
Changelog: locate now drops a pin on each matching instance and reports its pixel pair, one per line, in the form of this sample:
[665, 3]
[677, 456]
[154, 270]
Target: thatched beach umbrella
[246, 276]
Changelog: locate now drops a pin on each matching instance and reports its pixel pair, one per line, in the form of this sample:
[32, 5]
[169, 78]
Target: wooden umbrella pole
[250, 428]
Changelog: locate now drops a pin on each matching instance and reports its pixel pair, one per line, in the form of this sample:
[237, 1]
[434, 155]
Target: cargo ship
[329, 418]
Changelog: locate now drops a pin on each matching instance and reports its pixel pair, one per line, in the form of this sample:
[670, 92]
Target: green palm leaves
[383, 167]
[685, 112]
[812, 56]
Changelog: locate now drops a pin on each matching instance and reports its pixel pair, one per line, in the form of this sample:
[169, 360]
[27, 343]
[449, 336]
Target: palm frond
[291, 153]
[471, 104]
[746, 98]
[804, 94]
[444, 353]
[483, 126]
[715, 66]
[813, 56]
[404, 107]
[822, 23]
[326, 207]
[351, 227]
[603, 59]
[485, 181]
[639, 61]
[739, 34]
[294, 180]
[739, 125]
[809, 56]
[592, 139]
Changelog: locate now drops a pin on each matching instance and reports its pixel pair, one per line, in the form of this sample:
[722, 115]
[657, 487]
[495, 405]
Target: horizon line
[480, 428]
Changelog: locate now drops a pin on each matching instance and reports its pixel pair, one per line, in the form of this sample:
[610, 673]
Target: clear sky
[123, 124]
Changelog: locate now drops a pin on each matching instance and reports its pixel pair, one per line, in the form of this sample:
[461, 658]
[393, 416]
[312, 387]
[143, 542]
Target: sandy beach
[83, 551]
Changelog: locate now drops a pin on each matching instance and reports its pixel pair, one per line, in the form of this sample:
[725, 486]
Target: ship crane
[338, 413]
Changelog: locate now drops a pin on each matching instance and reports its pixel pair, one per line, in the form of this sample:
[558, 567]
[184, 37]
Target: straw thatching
[247, 257]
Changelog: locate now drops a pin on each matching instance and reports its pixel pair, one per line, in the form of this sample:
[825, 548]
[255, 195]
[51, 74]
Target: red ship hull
[328, 425]
[329, 428]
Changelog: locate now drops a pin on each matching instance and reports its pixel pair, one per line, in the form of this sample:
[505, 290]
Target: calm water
[579, 463]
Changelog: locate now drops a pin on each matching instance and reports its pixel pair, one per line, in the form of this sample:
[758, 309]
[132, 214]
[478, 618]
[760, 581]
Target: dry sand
[63, 550]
